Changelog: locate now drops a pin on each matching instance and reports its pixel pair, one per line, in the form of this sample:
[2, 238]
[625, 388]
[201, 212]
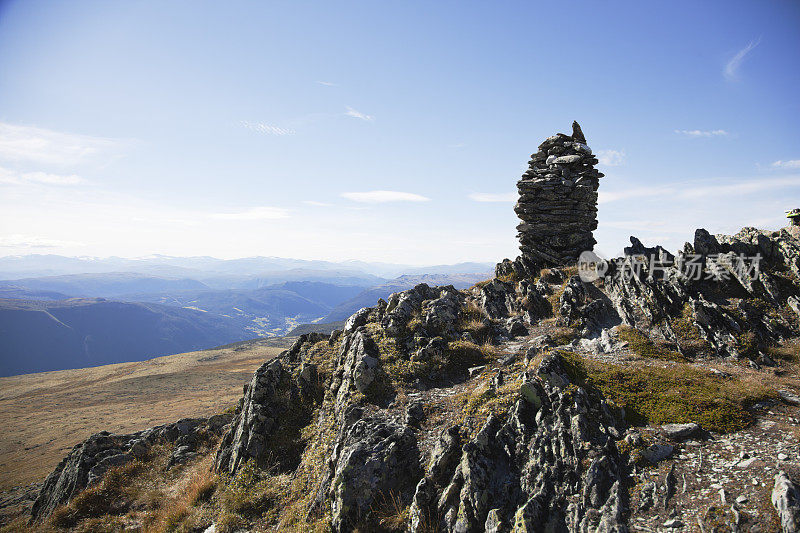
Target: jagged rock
[415, 413]
[402, 305]
[371, 457]
[87, 463]
[716, 326]
[358, 364]
[525, 469]
[358, 319]
[497, 298]
[577, 133]
[440, 314]
[256, 418]
[515, 327]
[786, 499]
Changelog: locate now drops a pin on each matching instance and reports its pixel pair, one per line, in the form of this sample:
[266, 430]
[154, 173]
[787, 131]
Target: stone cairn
[558, 201]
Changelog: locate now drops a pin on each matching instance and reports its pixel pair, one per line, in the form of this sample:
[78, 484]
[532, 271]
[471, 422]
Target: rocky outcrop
[257, 417]
[558, 201]
[374, 458]
[550, 464]
[89, 461]
[711, 287]
[278, 400]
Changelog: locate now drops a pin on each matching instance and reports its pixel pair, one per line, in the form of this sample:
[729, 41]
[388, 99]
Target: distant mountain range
[39, 265]
[42, 335]
[169, 305]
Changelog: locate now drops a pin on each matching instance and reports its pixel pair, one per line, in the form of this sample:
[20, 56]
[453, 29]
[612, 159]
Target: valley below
[44, 415]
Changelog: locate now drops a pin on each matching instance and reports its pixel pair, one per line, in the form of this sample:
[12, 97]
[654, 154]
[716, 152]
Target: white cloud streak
[732, 66]
[792, 163]
[358, 114]
[702, 133]
[493, 197]
[379, 197]
[256, 213]
[33, 241]
[267, 129]
[10, 177]
[43, 146]
[611, 158]
[326, 83]
[700, 192]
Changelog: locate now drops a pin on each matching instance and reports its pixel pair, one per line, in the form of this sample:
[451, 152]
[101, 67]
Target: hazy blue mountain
[20, 293]
[38, 336]
[271, 310]
[320, 327]
[104, 285]
[266, 279]
[201, 267]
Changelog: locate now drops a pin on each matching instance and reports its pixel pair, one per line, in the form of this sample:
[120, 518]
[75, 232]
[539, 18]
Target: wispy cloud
[10, 177]
[732, 66]
[358, 114]
[379, 197]
[493, 197]
[43, 146]
[266, 129]
[255, 213]
[713, 190]
[611, 158]
[32, 241]
[792, 163]
[326, 83]
[702, 133]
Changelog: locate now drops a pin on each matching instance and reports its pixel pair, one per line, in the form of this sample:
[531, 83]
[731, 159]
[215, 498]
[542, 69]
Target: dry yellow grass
[44, 415]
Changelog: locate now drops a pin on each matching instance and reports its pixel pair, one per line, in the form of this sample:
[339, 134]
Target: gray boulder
[679, 431]
[373, 457]
[786, 499]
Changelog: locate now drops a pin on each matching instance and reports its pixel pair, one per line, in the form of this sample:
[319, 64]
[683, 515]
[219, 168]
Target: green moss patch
[678, 393]
[642, 346]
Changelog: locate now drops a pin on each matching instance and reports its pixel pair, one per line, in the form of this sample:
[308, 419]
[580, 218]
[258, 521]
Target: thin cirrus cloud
[266, 129]
[731, 69]
[725, 188]
[255, 213]
[611, 158]
[32, 241]
[380, 197]
[493, 197]
[791, 163]
[10, 177]
[42, 146]
[702, 133]
[326, 83]
[358, 114]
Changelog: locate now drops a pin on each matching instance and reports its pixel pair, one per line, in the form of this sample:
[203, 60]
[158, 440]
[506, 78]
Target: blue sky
[236, 129]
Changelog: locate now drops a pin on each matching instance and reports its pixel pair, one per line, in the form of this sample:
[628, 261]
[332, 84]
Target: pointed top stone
[577, 134]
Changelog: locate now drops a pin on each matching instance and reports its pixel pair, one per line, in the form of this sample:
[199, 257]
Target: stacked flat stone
[558, 201]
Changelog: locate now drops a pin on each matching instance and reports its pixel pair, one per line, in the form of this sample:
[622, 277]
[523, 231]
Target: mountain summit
[654, 389]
